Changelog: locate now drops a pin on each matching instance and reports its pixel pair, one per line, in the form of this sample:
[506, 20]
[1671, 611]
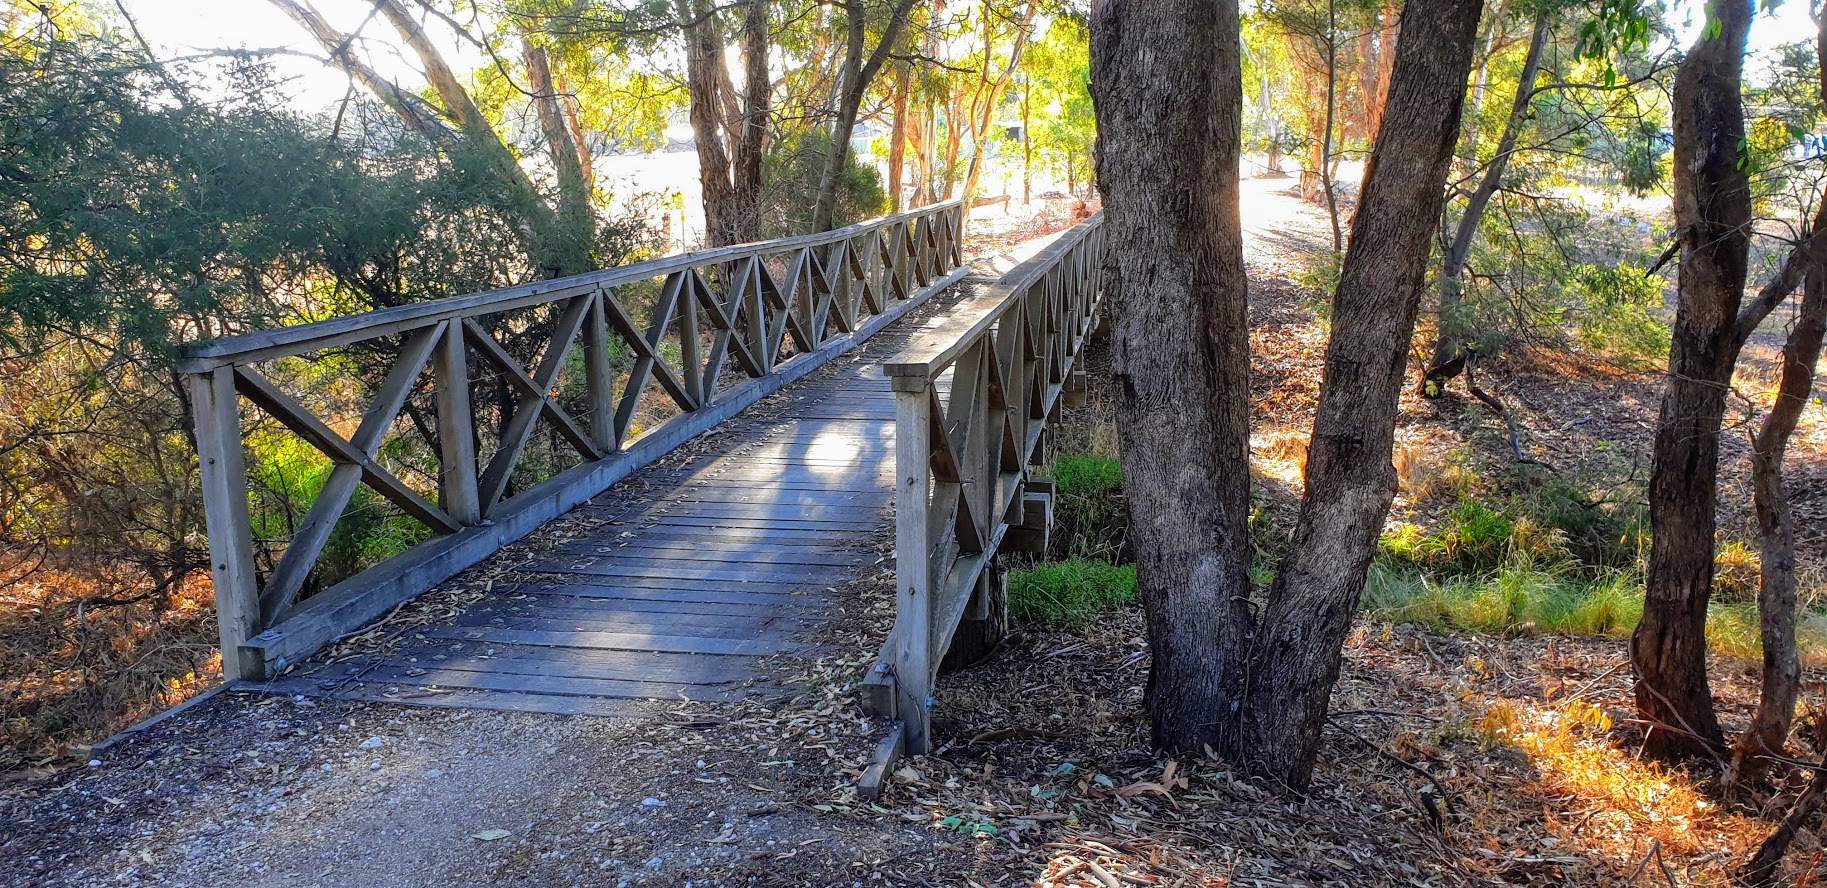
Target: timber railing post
[456, 427]
[599, 378]
[913, 628]
[231, 543]
[963, 488]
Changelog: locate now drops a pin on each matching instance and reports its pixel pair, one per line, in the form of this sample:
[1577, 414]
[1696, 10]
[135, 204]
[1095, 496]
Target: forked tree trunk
[1782, 668]
[573, 188]
[990, 93]
[858, 72]
[558, 248]
[1450, 331]
[1712, 219]
[1351, 479]
[1167, 84]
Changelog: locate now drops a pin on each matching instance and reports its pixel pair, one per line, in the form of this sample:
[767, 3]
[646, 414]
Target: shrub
[792, 166]
[1069, 594]
[1616, 313]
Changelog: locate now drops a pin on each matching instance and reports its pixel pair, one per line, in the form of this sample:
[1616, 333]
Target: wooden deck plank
[689, 625]
[546, 684]
[642, 552]
[663, 590]
[765, 644]
[764, 574]
[452, 698]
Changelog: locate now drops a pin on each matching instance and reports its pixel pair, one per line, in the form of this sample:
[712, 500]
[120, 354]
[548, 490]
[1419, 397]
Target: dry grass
[82, 655]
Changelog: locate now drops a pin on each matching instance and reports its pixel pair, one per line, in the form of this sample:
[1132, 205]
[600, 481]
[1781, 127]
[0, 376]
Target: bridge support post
[912, 643]
[456, 429]
[985, 622]
[231, 542]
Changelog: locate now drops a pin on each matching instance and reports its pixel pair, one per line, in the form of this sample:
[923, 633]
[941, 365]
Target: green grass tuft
[1069, 594]
[1084, 475]
[1091, 519]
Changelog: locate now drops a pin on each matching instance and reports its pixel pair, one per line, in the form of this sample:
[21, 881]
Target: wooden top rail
[930, 353]
[972, 399]
[306, 338]
[459, 378]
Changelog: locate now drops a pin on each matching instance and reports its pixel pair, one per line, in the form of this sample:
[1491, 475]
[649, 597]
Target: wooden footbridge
[454, 427]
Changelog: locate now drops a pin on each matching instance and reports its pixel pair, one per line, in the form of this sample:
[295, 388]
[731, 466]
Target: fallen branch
[1471, 385]
[1760, 870]
[1446, 799]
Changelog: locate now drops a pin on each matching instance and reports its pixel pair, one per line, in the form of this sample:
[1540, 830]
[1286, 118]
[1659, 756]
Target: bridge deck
[703, 591]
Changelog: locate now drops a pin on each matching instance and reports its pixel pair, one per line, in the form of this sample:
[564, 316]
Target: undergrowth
[1556, 562]
[1563, 557]
[1089, 513]
[1069, 594]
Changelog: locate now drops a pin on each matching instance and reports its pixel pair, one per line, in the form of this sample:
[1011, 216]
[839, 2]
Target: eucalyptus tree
[561, 228]
[861, 63]
[1712, 218]
[1167, 81]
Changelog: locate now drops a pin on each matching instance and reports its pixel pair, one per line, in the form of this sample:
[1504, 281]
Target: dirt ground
[1450, 761]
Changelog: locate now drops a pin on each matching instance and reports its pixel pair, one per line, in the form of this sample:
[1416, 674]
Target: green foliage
[1058, 66]
[1559, 275]
[1618, 313]
[1620, 27]
[791, 169]
[1318, 277]
[133, 210]
[1069, 594]
[1081, 475]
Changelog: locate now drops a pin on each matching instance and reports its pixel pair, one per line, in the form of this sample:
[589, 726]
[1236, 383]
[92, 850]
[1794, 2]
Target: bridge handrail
[837, 289]
[301, 339]
[962, 455]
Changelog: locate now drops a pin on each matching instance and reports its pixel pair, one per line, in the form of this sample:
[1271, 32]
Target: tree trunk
[1468, 139]
[1027, 143]
[706, 81]
[1332, 88]
[568, 101]
[1351, 479]
[1378, 96]
[574, 212]
[1450, 331]
[757, 91]
[929, 143]
[989, 95]
[1713, 218]
[1782, 670]
[1167, 84]
[897, 138]
[858, 72]
[954, 138]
